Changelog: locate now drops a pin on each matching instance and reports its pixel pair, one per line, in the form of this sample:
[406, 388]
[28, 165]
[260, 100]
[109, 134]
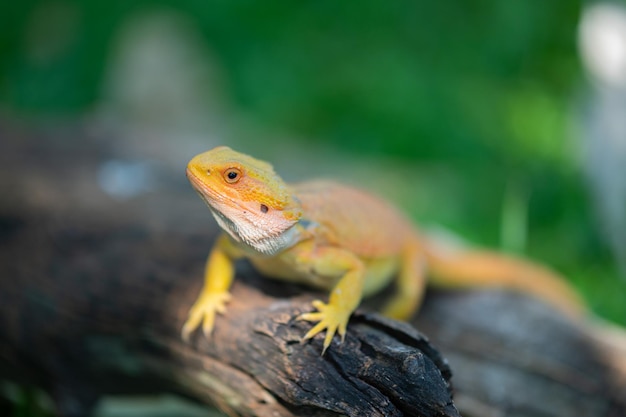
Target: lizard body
[337, 238]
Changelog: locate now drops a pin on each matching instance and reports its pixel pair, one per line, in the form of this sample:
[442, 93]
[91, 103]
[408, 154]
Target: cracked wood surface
[93, 292]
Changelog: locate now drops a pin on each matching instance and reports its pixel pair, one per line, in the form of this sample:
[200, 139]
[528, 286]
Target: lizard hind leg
[410, 284]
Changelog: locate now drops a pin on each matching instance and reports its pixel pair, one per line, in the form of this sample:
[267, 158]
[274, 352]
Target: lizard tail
[465, 268]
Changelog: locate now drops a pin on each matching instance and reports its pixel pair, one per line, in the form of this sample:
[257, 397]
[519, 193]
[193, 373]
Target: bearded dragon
[337, 238]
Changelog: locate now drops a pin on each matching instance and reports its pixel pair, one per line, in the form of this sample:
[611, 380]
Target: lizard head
[247, 198]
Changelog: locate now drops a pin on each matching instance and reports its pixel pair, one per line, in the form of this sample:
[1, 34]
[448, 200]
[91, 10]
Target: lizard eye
[232, 175]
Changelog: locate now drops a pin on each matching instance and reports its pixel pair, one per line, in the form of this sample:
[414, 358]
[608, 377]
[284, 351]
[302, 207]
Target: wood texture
[93, 292]
[98, 308]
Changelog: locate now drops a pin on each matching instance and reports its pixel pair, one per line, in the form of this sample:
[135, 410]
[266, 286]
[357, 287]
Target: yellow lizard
[338, 238]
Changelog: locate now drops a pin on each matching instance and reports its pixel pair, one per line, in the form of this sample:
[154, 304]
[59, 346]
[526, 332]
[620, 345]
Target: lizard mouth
[207, 193]
[247, 223]
[215, 200]
[193, 178]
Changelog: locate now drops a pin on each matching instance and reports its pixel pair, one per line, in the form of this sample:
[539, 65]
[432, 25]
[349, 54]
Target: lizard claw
[203, 312]
[330, 318]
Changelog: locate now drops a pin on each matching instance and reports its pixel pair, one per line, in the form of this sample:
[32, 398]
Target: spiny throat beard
[262, 233]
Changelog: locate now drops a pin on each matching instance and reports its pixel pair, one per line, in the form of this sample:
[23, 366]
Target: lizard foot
[331, 318]
[203, 311]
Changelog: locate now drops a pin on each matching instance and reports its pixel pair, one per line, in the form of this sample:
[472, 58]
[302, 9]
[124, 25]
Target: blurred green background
[470, 115]
[480, 98]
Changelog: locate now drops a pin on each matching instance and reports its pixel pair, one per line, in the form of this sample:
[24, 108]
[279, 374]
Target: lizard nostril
[264, 208]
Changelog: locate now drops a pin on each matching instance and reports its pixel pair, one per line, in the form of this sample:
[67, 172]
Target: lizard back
[353, 219]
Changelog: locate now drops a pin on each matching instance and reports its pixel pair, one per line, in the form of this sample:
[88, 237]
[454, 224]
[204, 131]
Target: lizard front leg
[349, 272]
[218, 276]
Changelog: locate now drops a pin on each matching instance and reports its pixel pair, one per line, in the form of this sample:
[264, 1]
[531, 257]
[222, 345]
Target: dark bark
[93, 293]
[97, 308]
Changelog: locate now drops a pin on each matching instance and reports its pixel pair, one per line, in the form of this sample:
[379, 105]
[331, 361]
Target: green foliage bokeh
[486, 87]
